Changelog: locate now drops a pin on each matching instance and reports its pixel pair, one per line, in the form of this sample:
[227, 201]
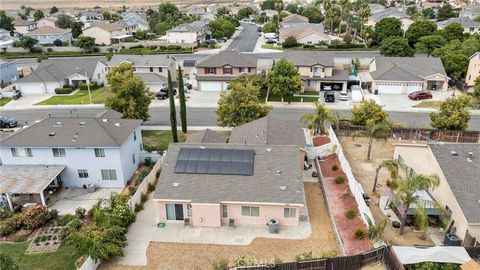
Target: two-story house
[49, 34]
[70, 152]
[473, 71]
[214, 73]
[188, 33]
[108, 33]
[153, 69]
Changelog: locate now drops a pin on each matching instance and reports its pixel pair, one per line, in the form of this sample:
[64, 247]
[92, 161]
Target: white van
[270, 36]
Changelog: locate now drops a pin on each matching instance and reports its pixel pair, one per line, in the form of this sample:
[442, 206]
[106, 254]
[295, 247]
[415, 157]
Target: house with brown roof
[304, 33]
[49, 34]
[214, 73]
[293, 19]
[108, 33]
[23, 26]
[47, 21]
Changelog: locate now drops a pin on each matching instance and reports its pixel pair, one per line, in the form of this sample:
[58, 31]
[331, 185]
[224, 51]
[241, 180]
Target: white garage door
[31, 89]
[211, 86]
[412, 88]
[389, 88]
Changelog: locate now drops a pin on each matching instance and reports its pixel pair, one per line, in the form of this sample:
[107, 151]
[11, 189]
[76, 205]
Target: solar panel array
[215, 161]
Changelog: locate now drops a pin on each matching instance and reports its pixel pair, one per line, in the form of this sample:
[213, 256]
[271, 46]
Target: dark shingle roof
[262, 186]
[269, 130]
[229, 58]
[160, 60]
[206, 136]
[406, 68]
[309, 58]
[69, 132]
[462, 175]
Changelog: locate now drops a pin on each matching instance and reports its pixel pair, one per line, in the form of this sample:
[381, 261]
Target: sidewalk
[259, 49]
[224, 45]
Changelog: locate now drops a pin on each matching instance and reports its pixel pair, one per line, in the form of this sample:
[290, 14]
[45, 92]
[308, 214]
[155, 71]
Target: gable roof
[151, 77]
[406, 68]
[156, 60]
[388, 12]
[206, 136]
[95, 132]
[230, 58]
[294, 18]
[477, 54]
[309, 58]
[109, 27]
[461, 175]
[48, 30]
[20, 22]
[301, 29]
[57, 69]
[269, 130]
[465, 22]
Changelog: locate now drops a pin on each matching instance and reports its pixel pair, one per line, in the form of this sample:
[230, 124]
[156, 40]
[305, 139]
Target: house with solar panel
[251, 181]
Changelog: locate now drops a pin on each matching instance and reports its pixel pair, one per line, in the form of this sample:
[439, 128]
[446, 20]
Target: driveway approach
[246, 40]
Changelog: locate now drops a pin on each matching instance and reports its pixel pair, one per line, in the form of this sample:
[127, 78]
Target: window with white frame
[21, 152]
[109, 174]
[210, 71]
[82, 173]
[224, 211]
[59, 152]
[289, 212]
[251, 211]
[99, 152]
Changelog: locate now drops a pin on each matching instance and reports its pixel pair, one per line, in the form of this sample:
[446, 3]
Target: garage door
[31, 89]
[211, 86]
[412, 88]
[389, 88]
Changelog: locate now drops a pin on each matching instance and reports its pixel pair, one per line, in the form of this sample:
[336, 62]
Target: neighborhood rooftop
[309, 58]
[229, 58]
[406, 68]
[206, 136]
[27, 179]
[73, 132]
[460, 163]
[276, 178]
[161, 60]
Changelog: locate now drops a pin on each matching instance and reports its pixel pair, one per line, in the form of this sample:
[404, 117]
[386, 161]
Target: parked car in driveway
[343, 96]
[8, 122]
[329, 97]
[327, 88]
[418, 95]
[16, 94]
[163, 93]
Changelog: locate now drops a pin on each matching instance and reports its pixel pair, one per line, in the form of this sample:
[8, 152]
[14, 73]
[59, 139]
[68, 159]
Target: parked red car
[417, 95]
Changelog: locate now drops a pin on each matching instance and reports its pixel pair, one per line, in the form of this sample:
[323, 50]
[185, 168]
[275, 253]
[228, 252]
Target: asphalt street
[207, 117]
[246, 40]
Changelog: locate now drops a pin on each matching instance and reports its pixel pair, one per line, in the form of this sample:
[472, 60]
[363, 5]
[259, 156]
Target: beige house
[23, 26]
[293, 19]
[108, 33]
[473, 71]
[47, 21]
[469, 26]
[304, 33]
[458, 167]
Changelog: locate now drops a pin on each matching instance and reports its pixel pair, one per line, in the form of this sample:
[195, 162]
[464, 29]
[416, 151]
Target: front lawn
[81, 97]
[158, 140]
[5, 100]
[429, 104]
[276, 98]
[62, 259]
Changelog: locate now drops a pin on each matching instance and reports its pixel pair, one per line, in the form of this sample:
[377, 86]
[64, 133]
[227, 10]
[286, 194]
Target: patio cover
[424, 198]
[440, 254]
[121, 36]
[27, 179]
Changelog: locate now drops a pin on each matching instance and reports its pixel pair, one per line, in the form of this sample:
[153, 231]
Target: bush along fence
[381, 254]
[419, 134]
[145, 187]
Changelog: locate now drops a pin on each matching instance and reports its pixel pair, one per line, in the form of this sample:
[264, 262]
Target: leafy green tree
[38, 15]
[332, 17]
[268, 4]
[412, 11]
[453, 31]
[222, 28]
[316, 121]
[428, 13]
[240, 104]
[181, 98]
[166, 17]
[278, 5]
[130, 95]
[28, 42]
[284, 79]
[374, 130]
[453, 114]
[77, 29]
[270, 27]
[85, 43]
[477, 18]
[446, 12]
[6, 22]
[245, 12]
[140, 34]
[428, 44]
[387, 28]
[7, 263]
[395, 46]
[53, 10]
[347, 38]
[290, 42]
[375, 231]
[476, 88]
[292, 8]
[173, 113]
[222, 11]
[456, 64]
[363, 12]
[113, 212]
[367, 110]
[313, 14]
[420, 29]
[64, 22]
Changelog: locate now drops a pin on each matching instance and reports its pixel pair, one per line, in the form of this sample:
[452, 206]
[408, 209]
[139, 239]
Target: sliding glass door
[174, 211]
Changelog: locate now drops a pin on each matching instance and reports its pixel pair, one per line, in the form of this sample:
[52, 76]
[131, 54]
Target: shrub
[290, 42]
[304, 256]
[359, 234]
[351, 213]
[138, 207]
[35, 216]
[5, 213]
[174, 47]
[96, 50]
[243, 260]
[329, 253]
[153, 47]
[20, 237]
[83, 86]
[57, 43]
[335, 167]
[221, 264]
[143, 197]
[345, 46]
[63, 221]
[80, 212]
[308, 46]
[339, 180]
[139, 46]
[63, 91]
[36, 50]
[53, 214]
[151, 187]
[49, 50]
[74, 224]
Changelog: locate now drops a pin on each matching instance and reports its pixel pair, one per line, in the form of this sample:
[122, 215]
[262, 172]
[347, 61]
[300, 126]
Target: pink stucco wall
[206, 215]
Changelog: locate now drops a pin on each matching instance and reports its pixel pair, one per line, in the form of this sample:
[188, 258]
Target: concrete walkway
[145, 230]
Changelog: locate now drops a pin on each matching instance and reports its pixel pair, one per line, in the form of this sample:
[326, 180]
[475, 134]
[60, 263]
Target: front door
[174, 211]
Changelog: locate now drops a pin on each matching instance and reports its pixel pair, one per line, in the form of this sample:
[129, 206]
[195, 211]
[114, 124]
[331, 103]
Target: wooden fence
[419, 134]
[474, 252]
[356, 262]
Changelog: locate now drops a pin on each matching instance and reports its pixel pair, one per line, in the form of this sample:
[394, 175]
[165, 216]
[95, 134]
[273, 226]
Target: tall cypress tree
[181, 95]
[173, 113]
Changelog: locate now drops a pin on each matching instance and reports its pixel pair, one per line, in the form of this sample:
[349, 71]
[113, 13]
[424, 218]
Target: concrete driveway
[69, 199]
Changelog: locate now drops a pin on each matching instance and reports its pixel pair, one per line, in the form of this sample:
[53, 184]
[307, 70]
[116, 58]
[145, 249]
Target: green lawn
[158, 140]
[428, 104]
[4, 100]
[275, 98]
[62, 259]
[81, 97]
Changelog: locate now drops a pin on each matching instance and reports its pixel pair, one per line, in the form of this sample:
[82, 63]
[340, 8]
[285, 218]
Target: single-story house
[139, 20]
[108, 33]
[23, 26]
[473, 71]
[304, 33]
[391, 12]
[47, 21]
[48, 34]
[403, 75]
[214, 185]
[469, 26]
[458, 167]
[293, 19]
[56, 72]
[188, 33]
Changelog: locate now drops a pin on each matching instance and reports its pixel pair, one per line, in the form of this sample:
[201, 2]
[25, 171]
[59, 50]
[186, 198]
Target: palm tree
[405, 192]
[363, 12]
[278, 7]
[392, 166]
[344, 7]
[316, 121]
[375, 130]
[375, 231]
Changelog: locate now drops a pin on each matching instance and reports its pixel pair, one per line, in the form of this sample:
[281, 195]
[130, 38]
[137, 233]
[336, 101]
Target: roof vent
[76, 135]
[278, 172]
[57, 124]
[202, 147]
[82, 124]
[453, 153]
[470, 156]
[283, 188]
[269, 149]
[105, 120]
[51, 134]
[176, 184]
[118, 125]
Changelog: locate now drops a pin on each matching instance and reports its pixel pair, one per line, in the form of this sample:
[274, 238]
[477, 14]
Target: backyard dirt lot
[201, 256]
[364, 171]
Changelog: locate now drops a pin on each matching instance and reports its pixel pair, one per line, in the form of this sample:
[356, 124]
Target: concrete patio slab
[69, 199]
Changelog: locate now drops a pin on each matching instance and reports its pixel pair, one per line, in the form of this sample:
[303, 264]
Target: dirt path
[169, 256]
